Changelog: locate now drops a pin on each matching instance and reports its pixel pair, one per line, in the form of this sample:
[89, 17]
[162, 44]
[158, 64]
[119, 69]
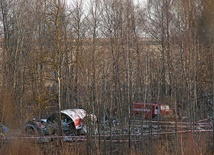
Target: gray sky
[143, 2]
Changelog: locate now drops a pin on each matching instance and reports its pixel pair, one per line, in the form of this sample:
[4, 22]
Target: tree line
[106, 54]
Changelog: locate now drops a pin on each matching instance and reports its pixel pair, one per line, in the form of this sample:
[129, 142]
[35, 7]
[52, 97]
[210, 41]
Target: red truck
[150, 110]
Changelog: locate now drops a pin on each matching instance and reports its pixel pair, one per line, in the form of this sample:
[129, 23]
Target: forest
[104, 55]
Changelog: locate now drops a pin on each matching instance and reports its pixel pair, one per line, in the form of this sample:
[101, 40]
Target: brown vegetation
[187, 143]
[103, 55]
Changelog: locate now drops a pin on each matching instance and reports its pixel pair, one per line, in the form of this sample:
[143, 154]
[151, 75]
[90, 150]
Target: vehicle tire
[30, 131]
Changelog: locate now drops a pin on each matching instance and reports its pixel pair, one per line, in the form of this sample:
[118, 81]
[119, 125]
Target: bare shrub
[8, 112]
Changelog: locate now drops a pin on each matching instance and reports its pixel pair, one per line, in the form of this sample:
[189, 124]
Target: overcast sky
[143, 2]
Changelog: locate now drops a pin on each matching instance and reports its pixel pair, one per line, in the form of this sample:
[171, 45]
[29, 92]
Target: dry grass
[18, 147]
[8, 114]
[184, 144]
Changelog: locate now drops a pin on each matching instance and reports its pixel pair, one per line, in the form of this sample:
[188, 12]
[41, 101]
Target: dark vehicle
[3, 130]
[71, 123]
[34, 127]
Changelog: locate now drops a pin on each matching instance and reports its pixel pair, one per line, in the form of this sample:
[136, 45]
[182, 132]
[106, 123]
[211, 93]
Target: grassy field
[186, 144]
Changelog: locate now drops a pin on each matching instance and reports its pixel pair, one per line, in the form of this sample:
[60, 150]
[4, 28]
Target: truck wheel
[29, 131]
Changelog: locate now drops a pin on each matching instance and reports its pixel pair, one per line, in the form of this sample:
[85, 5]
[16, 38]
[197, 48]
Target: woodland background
[105, 54]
